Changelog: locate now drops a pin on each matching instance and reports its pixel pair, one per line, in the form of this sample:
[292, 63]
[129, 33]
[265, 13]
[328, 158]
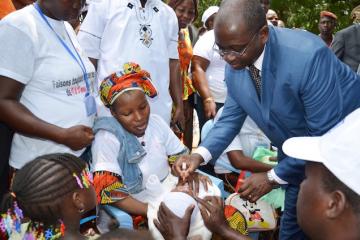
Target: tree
[301, 13]
[305, 13]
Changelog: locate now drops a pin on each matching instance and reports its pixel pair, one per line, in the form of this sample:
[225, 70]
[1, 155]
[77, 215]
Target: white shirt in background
[54, 86]
[247, 140]
[215, 73]
[117, 32]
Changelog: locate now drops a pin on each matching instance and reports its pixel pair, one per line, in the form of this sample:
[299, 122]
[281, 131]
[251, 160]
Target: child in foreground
[48, 197]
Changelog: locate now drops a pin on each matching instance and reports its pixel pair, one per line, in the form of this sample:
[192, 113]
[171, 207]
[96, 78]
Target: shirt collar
[258, 63]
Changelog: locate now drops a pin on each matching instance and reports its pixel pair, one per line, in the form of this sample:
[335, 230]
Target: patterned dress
[185, 55]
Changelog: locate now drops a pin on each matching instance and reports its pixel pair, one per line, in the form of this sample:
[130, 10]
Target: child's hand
[195, 179]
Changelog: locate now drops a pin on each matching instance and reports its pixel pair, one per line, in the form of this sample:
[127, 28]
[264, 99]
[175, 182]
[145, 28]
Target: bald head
[247, 13]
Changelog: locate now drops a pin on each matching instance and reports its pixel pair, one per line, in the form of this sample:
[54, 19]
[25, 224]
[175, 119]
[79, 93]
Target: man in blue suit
[289, 83]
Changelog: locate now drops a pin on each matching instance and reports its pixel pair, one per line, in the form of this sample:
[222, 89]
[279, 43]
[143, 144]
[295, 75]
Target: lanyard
[77, 59]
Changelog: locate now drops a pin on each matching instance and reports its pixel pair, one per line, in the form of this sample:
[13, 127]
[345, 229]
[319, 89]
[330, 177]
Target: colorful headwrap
[132, 77]
[328, 14]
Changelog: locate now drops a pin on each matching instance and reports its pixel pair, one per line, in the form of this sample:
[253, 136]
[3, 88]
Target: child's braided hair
[41, 185]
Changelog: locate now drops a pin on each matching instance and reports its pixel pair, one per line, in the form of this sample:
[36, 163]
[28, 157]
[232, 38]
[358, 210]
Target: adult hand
[179, 117]
[171, 226]
[209, 108]
[212, 211]
[77, 137]
[255, 187]
[186, 165]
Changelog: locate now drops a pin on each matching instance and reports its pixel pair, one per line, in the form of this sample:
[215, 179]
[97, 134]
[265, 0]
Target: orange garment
[185, 55]
[6, 7]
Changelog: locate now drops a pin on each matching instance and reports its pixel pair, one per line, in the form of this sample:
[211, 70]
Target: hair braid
[41, 185]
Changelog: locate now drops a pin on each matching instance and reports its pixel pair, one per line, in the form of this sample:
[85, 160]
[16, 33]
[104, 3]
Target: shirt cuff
[204, 153]
[276, 177]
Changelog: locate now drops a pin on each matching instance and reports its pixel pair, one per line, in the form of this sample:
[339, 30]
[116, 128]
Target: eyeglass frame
[223, 53]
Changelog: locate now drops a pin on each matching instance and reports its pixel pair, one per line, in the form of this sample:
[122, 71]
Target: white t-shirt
[249, 137]
[116, 32]
[160, 142]
[54, 86]
[215, 73]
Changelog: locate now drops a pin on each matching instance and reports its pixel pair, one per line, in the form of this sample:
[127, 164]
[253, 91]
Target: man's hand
[255, 186]
[186, 165]
[171, 226]
[77, 137]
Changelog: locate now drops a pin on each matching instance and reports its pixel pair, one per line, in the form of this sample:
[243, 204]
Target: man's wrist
[197, 158]
[271, 179]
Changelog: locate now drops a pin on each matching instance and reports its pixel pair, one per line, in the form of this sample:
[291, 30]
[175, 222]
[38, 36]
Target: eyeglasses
[224, 52]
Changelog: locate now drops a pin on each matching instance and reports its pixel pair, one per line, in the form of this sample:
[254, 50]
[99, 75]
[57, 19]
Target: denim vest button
[138, 153]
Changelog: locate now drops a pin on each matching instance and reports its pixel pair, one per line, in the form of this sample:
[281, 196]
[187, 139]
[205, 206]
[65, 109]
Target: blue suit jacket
[306, 90]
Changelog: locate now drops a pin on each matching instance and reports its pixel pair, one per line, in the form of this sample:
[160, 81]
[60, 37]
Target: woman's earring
[81, 210]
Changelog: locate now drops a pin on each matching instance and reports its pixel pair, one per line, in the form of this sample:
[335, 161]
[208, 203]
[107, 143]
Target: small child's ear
[78, 202]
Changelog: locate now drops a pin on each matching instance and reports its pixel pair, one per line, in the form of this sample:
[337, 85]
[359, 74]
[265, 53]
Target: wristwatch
[271, 179]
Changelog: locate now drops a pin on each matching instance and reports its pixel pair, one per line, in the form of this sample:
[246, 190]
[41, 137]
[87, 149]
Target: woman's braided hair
[40, 186]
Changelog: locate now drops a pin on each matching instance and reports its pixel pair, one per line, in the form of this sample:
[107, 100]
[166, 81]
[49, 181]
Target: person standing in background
[47, 84]
[186, 12]
[272, 17]
[346, 44]
[327, 24]
[6, 7]
[143, 31]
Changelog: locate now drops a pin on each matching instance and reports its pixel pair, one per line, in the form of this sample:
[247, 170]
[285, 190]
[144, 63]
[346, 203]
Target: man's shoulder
[163, 8]
[349, 30]
[295, 41]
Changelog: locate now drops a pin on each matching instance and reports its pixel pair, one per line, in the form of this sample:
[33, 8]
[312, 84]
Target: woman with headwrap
[132, 144]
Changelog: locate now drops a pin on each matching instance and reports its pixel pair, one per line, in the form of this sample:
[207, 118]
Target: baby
[178, 200]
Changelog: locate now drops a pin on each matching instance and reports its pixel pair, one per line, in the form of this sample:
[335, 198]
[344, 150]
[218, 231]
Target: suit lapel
[268, 77]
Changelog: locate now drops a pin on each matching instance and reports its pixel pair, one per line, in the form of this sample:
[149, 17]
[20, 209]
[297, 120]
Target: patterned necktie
[255, 75]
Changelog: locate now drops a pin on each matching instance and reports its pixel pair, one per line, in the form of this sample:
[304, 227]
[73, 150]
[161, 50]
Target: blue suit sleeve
[320, 92]
[225, 129]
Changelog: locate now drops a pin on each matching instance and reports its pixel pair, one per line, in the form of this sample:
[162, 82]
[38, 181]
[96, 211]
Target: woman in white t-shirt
[208, 69]
[132, 144]
[44, 78]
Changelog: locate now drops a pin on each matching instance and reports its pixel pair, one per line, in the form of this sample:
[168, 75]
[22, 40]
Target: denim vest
[130, 153]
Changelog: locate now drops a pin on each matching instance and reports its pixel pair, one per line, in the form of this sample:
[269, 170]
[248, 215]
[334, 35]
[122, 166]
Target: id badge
[90, 105]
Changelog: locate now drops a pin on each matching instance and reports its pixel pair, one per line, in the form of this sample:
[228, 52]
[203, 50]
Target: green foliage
[301, 13]
[305, 13]
[203, 5]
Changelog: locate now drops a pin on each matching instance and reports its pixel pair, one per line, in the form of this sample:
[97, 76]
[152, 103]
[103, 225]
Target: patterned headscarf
[132, 77]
